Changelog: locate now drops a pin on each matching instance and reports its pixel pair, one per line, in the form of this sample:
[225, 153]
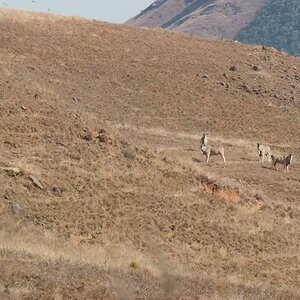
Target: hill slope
[137, 213]
[277, 25]
[273, 23]
[199, 17]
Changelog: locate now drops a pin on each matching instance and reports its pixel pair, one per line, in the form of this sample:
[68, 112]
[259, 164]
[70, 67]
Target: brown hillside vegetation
[104, 193]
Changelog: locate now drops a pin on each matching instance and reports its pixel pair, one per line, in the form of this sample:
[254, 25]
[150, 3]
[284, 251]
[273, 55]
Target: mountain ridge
[200, 17]
[273, 23]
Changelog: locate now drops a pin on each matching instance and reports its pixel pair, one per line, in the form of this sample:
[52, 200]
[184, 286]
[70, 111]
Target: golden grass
[101, 202]
[248, 145]
[48, 247]
[27, 16]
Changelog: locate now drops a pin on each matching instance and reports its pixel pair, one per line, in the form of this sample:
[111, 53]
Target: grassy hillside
[277, 24]
[136, 213]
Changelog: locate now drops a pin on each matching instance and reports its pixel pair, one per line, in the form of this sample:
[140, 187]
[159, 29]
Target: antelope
[208, 150]
[285, 161]
[203, 140]
[263, 151]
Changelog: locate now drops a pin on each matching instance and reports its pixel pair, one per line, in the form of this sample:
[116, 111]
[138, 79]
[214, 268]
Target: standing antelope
[208, 150]
[263, 151]
[285, 161]
[203, 140]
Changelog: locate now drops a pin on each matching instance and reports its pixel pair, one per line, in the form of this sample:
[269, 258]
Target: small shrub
[134, 265]
[129, 153]
[258, 196]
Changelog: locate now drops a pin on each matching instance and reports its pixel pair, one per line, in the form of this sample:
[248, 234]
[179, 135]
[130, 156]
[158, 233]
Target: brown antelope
[208, 150]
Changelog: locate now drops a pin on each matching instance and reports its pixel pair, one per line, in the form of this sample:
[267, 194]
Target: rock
[225, 84]
[173, 227]
[233, 68]
[36, 182]
[205, 76]
[23, 107]
[129, 153]
[16, 208]
[56, 190]
[256, 68]
[246, 88]
[11, 171]
[87, 137]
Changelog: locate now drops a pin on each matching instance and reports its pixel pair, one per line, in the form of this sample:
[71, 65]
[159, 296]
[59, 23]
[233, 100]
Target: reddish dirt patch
[226, 193]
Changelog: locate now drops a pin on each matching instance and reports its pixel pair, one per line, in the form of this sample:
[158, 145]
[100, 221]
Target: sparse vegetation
[134, 265]
[194, 229]
[268, 22]
[277, 24]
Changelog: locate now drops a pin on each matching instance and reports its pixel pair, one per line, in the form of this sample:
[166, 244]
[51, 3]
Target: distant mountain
[277, 24]
[217, 18]
[269, 22]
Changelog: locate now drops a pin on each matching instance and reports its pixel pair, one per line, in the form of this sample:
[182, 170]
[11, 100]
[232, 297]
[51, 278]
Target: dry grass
[31, 16]
[49, 248]
[142, 196]
[114, 272]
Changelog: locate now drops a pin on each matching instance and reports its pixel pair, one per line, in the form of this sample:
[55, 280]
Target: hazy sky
[116, 11]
